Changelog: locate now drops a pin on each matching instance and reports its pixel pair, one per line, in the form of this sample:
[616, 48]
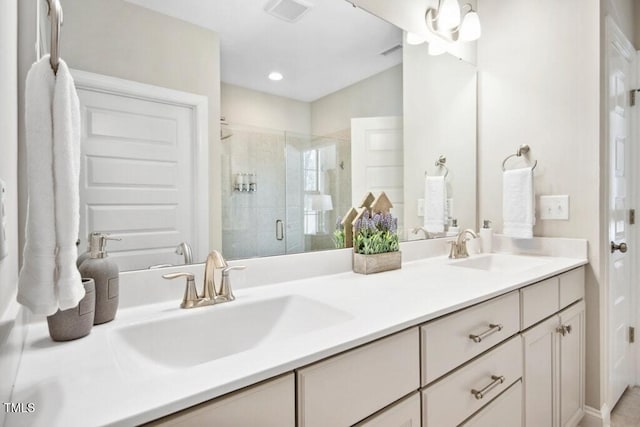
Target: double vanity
[490, 340]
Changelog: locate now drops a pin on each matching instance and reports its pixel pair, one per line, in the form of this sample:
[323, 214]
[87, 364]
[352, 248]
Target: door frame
[198, 104]
[613, 36]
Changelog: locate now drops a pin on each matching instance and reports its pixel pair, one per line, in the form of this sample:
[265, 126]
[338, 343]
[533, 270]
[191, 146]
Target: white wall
[244, 106]
[439, 118]
[375, 96]
[10, 343]
[539, 84]
[123, 40]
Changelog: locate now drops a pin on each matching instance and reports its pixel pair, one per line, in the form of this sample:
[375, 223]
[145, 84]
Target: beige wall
[244, 106]
[539, 84]
[9, 174]
[378, 95]
[9, 146]
[119, 39]
[439, 118]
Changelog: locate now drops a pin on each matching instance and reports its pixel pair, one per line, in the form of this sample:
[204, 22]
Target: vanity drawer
[448, 342]
[571, 287]
[451, 400]
[345, 389]
[268, 404]
[405, 413]
[539, 301]
[504, 411]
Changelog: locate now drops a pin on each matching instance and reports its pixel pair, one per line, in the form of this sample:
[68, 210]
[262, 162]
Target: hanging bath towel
[47, 279]
[435, 195]
[518, 203]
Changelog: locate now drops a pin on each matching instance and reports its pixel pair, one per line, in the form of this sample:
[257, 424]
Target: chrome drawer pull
[497, 380]
[493, 328]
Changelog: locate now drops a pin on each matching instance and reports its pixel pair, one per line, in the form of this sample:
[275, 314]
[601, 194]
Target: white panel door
[377, 161]
[619, 59]
[137, 176]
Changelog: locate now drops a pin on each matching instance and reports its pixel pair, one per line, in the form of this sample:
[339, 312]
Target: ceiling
[332, 46]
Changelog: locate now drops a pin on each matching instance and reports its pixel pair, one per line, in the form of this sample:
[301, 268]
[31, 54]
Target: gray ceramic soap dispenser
[106, 275]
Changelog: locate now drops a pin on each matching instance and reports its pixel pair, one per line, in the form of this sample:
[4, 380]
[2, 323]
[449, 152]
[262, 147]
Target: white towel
[38, 285]
[435, 196]
[518, 203]
[66, 168]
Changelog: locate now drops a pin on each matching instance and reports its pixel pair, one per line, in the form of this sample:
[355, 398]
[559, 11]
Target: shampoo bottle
[486, 236]
[106, 276]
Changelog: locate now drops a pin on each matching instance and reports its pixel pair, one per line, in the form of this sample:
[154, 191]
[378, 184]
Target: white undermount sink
[505, 263]
[204, 334]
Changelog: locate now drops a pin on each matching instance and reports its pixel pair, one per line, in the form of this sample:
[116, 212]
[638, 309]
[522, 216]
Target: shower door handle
[279, 229]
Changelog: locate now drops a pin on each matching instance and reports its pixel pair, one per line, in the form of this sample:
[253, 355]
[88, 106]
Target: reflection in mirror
[286, 158]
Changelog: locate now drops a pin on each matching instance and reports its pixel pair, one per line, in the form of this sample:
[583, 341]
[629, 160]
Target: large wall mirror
[356, 110]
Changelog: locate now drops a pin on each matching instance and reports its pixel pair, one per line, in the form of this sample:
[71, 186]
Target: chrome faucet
[185, 249]
[211, 294]
[459, 245]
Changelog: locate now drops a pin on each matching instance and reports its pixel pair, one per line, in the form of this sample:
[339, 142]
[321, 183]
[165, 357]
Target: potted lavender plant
[375, 243]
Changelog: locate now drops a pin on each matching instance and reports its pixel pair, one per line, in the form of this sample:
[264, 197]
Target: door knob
[622, 247]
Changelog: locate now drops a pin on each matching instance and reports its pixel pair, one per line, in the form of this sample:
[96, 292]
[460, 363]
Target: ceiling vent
[288, 10]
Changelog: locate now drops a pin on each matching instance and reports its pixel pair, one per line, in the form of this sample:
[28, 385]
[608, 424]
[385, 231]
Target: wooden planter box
[369, 264]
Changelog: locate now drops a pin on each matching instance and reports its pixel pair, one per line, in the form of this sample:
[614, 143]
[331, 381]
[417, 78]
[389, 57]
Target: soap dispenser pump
[486, 236]
[106, 275]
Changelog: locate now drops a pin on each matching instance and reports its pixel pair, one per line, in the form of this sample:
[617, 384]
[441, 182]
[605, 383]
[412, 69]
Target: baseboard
[596, 417]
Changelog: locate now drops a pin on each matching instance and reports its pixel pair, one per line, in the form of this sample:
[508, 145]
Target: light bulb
[470, 28]
[415, 39]
[449, 15]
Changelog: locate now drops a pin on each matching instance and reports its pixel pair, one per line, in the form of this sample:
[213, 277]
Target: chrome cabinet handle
[497, 380]
[279, 229]
[493, 328]
[622, 247]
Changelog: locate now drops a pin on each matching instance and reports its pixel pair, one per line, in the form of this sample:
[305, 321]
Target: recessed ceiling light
[275, 76]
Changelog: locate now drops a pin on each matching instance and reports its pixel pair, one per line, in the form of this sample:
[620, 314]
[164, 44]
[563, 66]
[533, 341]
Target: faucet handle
[225, 287]
[190, 298]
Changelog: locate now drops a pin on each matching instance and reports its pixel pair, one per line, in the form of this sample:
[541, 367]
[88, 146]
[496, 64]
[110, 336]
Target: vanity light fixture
[275, 76]
[446, 23]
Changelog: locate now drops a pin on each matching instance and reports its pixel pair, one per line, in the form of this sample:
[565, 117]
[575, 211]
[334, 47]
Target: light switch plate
[4, 247]
[554, 207]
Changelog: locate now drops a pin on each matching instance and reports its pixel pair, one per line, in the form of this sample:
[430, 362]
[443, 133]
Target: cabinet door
[405, 413]
[571, 363]
[269, 404]
[505, 411]
[540, 355]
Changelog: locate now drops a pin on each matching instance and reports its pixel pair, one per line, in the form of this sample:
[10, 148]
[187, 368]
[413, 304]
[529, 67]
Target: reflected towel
[49, 279]
[518, 203]
[435, 196]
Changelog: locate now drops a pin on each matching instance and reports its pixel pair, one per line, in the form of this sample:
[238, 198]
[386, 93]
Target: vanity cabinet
[554, 359]
[347, 388]
[405, 413]
[514, 360]
[268, 404]
[504, 411]
[460, 394]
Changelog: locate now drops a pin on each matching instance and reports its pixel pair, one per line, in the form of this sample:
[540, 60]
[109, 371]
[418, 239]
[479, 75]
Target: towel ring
[523, 149]
[441, 163]
[56, 18]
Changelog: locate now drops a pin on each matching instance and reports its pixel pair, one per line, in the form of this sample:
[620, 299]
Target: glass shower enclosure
[282, 192]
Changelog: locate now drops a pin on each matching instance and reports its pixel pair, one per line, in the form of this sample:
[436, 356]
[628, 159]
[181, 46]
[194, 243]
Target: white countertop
[88, 382]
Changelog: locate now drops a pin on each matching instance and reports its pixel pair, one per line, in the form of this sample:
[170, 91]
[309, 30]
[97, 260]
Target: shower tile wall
[249, 219]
